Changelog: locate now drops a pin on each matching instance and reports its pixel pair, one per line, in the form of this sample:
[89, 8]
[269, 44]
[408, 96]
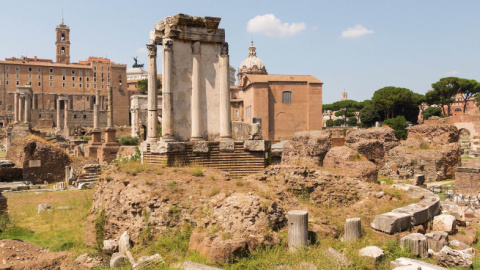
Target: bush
[399, 124]
[329, 123]
[352, 121]
[338, 122]
[431, 111]
[128, 140]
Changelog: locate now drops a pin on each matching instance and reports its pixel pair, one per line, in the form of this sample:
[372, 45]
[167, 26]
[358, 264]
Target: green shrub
[399, 124]
[128, 140]
[329, 123]
[431, 111]
[352, 121]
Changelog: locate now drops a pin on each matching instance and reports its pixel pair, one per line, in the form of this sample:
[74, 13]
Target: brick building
[285, 103]
[78, 81]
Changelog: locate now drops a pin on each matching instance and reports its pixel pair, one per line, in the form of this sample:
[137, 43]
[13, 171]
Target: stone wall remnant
[351, 163]
[307, 147]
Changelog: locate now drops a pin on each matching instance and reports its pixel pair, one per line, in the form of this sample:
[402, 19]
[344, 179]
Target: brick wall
[467, 181]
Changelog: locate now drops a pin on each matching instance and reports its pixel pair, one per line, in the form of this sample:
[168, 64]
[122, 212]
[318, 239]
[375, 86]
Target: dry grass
[59, 229]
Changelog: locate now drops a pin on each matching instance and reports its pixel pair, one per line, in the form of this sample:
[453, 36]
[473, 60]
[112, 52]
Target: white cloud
[142, 50]
[451, 73]
[356, 31]
[271, 26]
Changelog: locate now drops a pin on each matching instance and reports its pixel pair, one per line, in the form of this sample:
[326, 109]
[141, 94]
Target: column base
[151, 140]
[226, 138]
[167, 139]
[197, 139]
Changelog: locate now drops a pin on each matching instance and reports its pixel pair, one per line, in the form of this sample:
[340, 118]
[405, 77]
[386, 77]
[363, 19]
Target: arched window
[63, 37]
[62, 50]
[287, 97]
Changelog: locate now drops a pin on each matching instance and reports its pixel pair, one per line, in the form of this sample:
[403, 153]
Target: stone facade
[139, 114]
[467, 181]
[49, 80]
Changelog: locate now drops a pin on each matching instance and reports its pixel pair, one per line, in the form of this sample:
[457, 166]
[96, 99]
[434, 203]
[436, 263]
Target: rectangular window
[17, 68]
[95, 68]
[287, 97]
[29, 76]
[80, 85]
[73, 71]
[73, 85]
[73, 78]
[64, 71]
[80, 72]
[63, 84]
[17, 76]
[94, 79]
[0, 102]
[94, 74]
[51, 70]
[87, 72]
[102, 75]
[74, 116]
[51, 84]
[88, 79]
[88, 85]
[8, 75]
[6, 82]
[102, 86]
[108, 80]
[51, 77]
[18, 82]
[95, 86]
[236, 113]
[80, 79]
[39, 83]
[29, 69]
[39, 69]
[63, 78]
[39, 76]
[84, 116]
[7, 68]
[102, 80]
[102, 68]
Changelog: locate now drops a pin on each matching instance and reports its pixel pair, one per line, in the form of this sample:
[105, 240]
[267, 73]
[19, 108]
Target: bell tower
[63, 43]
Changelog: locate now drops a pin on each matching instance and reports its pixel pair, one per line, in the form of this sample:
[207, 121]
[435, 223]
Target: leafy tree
[338, 122]
[143, 86]
[468, 89]
[352, 121]
[326, 108]
[395, 101]
[370, 114]
[431, 111]
[329, 123]
[443, 93]
[346, 108]
[399, 124]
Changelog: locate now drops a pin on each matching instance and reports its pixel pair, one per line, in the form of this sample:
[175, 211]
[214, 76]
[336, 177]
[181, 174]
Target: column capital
[224, 51]
[167, 44]
[196, 47]
[152, 49]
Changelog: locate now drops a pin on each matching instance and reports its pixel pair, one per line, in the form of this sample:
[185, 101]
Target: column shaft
[28, 107]
[96, 108]
[152, 93]
[15, 107]
[110, 108]
[65, 123]
[58, 114]
[196, 106]
[225, 117]
[167, 101]
[20, 109]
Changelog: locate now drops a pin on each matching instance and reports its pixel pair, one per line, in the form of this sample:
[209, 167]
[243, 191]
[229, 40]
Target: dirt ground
[17, 254]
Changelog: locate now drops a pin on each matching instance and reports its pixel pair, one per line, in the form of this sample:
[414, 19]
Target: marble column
[96, 118]
[135, 125]
[167, 100]
[65, 123]
[20, 108]
[28, 107]
[15, 107]
[225, 117]
[152, 119]
[196, 103]
[58, 114]
[110, 108]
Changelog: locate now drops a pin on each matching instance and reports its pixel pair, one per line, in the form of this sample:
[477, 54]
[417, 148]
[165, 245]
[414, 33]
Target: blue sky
[359, 46]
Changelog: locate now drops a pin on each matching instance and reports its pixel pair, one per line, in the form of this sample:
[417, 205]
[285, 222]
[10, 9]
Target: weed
[174, 211]
[197, 172]
[173, 186]
[227, 235]
[100, 229]
[146, 234]
[148, 181]
[240, 183]
[214, 191]
[158, 172]
[212, 177]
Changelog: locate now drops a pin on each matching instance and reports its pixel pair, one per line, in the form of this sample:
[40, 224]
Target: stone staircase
[89, 174]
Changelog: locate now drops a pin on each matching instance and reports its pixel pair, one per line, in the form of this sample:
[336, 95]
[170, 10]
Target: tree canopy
[394, 101]
[431, 111]
[445, 89]
[143, 86]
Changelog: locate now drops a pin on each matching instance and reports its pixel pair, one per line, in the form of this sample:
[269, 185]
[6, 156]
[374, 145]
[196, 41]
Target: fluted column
[152, 93]
[196, 105]
[20, 109]
[58, 114]
[96, 118]
[167, 101]
[110, 108]
[65, 120]
[28, 107]
[15, 107]
[225, 117]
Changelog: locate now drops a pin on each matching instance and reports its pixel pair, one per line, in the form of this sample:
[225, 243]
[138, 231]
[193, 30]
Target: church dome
[252, 62]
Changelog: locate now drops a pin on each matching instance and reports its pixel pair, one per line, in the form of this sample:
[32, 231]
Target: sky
[356, 46]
